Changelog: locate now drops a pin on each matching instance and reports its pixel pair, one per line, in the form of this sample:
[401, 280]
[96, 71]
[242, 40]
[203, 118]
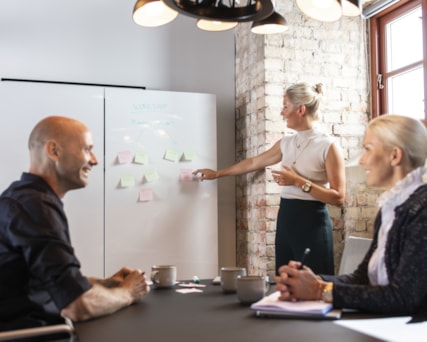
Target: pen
[304, 256]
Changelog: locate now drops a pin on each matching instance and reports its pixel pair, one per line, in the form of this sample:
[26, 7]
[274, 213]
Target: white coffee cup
[163, 275]
[251, 288]
[229, 277]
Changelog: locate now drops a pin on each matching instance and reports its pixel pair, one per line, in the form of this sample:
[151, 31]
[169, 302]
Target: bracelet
[327, 292]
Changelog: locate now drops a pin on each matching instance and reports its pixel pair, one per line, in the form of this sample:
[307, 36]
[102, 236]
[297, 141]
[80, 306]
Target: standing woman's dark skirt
[302, 224]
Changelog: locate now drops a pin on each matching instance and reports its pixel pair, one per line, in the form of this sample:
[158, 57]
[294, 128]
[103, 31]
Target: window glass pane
[404, 40]
[405, 94]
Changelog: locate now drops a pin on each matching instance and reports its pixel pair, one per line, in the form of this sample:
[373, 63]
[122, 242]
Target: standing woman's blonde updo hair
[305, 94]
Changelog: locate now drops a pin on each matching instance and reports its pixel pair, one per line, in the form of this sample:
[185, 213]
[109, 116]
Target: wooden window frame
[378, 55]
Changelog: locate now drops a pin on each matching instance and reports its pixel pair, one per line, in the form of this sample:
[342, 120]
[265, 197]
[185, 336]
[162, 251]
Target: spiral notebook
[271, 306]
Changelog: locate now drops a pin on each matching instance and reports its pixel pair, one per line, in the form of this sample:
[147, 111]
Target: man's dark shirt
[39, 273]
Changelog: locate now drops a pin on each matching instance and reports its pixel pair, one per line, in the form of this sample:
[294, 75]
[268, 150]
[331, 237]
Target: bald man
[40, 278]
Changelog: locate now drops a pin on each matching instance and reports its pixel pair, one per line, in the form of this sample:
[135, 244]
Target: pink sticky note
[124, 157]
[186, 175]
[146, 195]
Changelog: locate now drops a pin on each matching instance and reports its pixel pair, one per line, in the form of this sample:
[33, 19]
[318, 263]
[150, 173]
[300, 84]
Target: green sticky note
[172, 154]
[127, 181]
[151, 175]
[141, 157]
[189, 155]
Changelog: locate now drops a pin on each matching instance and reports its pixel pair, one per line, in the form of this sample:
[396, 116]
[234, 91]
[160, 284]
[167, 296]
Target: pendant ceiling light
[152, 13]
[275, 23]
[351, 8]
[212, 15]
[329, 10]
[323, 10]
[223, 10]
[215, 25]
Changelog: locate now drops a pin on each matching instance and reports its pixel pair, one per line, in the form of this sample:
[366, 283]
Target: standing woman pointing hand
[312, 175]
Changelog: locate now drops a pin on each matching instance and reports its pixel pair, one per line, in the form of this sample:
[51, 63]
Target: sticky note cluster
[151, 174]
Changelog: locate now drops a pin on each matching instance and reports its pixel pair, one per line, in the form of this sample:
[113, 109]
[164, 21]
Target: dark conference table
[211, 316]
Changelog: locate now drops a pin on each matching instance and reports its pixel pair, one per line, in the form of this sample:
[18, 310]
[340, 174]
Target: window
[398, 60]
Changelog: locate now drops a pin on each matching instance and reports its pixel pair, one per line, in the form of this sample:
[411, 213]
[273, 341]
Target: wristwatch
[306, 186]
[327, 292]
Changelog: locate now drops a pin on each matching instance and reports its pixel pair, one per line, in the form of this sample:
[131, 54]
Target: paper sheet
[189, 290]
[394, 329]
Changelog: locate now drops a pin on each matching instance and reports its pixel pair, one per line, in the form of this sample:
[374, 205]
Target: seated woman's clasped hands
[392, 277]
[299, 284]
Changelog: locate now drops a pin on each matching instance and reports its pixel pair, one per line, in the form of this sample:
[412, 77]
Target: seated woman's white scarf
[388, 201]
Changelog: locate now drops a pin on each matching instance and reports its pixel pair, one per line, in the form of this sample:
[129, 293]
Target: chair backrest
[355, 249]
[58, 332]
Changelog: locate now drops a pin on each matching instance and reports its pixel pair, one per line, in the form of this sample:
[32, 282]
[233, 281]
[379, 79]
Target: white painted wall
[96, 41]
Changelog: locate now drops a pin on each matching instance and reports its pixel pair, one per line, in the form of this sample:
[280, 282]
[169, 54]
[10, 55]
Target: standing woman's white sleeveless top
[306, 153]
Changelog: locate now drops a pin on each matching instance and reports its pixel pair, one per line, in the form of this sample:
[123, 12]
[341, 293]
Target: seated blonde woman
[392, 277]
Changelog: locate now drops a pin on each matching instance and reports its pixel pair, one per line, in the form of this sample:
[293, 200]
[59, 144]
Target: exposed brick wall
[331, 53]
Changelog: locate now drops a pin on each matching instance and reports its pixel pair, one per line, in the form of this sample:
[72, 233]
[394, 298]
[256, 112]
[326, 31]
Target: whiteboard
[111, 225]
[22, 105]
[156, 212]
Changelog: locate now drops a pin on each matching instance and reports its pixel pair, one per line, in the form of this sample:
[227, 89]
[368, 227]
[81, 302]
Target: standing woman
[312, 175]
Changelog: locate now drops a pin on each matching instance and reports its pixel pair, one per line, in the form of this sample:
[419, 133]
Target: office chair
[355, 249]
[63, 332]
